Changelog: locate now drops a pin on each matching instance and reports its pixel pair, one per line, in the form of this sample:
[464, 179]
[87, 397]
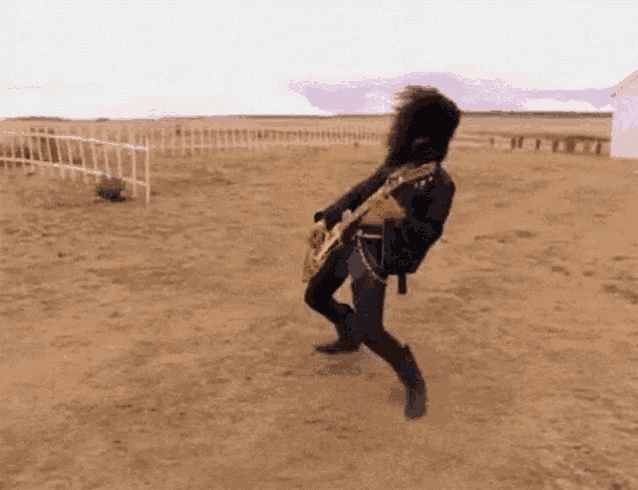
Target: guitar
[324, 243]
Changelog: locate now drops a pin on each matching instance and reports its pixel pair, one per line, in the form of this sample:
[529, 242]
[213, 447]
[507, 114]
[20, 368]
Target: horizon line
[266, 116]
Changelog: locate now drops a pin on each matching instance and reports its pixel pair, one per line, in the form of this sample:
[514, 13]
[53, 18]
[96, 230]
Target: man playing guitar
[392, 238]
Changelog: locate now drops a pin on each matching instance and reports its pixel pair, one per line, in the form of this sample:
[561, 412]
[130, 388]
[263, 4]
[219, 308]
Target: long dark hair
[425, 123]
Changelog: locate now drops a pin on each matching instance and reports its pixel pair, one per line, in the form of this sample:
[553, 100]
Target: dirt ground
[168, 346]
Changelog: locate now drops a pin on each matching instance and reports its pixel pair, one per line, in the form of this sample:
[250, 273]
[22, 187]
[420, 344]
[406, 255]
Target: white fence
[72, 146]
[192, 138]
[64, 152]
[188, 139]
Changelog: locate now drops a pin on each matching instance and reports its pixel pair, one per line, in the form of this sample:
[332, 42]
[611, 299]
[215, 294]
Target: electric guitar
[324, 243]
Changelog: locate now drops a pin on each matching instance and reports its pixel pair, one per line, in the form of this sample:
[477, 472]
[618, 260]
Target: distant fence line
[50, 151]
[555, 143]
[181, 138]
[184, 139]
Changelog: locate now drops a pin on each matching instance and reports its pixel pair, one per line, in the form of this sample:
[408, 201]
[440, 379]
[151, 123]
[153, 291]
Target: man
[387, 243]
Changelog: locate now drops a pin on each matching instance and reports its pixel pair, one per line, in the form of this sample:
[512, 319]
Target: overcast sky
[139, 58]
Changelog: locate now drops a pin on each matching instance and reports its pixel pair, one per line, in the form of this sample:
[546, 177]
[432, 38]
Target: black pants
[368, 293]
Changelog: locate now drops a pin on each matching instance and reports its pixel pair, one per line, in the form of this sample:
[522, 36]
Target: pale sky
[141, 58]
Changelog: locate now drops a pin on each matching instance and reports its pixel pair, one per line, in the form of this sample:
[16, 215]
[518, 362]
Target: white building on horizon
[624, 128]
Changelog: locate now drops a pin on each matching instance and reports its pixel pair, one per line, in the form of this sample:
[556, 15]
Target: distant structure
[624, 129]
[38, 119]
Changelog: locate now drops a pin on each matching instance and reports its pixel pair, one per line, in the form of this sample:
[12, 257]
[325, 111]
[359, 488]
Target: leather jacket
[405, 241]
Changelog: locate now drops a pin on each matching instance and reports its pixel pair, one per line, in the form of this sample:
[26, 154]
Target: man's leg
[368, 292]
[402, 361]
[319, 296]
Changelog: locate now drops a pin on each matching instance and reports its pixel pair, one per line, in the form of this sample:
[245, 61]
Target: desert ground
[168, 346]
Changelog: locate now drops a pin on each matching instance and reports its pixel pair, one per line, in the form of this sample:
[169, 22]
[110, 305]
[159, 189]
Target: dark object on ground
[110, 189]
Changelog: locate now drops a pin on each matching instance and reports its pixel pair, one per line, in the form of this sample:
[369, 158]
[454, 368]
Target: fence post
[106, 156]
[22, 148]
[118, 151]
[31, 155]
[82, 159]
[93, 152]
[70, 157]
[55, 158]
[134, 172]
[13, 152]
[15, 161]
[42, 146]
[147, 174]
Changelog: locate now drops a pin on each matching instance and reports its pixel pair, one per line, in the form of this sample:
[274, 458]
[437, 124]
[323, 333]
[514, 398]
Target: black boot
[403, 363]
[415, 391]
[345, 343]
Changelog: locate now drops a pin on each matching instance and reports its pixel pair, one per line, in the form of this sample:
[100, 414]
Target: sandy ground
[168, 346]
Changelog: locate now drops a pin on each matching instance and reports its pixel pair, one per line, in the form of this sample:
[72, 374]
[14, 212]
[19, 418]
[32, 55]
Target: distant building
[624, 129]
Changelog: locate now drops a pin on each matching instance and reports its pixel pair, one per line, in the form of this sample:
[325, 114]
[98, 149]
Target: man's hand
[330, 216]
[317, 235]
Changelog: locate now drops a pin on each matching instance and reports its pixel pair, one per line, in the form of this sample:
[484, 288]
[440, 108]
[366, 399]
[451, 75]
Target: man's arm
[355, 197]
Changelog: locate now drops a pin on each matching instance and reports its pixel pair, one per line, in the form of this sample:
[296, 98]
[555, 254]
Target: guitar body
[325, 244]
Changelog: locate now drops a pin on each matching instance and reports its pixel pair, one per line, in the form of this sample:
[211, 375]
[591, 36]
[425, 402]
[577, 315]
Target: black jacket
[406, 241]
